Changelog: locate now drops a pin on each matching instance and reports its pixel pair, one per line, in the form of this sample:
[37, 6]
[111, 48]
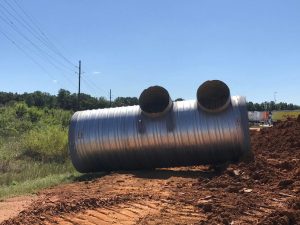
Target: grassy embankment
[283, 115]
[33, 149]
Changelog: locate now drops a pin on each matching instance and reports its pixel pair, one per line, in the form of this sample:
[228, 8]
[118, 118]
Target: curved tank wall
[125, 138]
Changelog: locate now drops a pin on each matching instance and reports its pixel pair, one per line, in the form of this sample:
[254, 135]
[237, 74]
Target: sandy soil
[11, 207]
[263, 191]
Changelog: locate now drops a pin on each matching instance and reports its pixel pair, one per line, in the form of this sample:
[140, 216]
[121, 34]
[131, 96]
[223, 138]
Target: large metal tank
[257, 116]
[160, 133]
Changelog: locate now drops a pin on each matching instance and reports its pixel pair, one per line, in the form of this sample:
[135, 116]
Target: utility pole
[79, 78]
[109, 98]
[275, 96]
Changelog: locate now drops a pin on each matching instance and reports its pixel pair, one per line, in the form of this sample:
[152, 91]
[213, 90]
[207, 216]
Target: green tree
[125, 101]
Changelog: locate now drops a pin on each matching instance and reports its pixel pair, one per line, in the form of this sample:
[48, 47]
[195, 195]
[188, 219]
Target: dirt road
[263, 191]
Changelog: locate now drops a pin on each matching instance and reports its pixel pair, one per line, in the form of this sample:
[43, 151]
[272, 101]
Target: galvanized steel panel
[125, 138]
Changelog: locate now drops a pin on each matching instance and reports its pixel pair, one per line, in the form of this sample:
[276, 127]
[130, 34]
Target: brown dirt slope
[263, 191]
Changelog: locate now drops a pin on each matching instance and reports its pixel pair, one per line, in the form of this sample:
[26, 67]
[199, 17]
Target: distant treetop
[67, 100]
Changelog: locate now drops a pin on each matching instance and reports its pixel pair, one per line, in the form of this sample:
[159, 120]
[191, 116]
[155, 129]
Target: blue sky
[128, 45]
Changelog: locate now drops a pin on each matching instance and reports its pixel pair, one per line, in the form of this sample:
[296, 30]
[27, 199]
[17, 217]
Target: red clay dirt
[263, 191]
[12, 206]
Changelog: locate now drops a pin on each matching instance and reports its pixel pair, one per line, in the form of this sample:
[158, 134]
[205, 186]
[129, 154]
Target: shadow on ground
[204, 172]
[90, 176]
[166, 173]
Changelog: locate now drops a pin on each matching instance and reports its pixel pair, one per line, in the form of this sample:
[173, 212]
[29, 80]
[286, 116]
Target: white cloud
[96, 72]
[54, 81]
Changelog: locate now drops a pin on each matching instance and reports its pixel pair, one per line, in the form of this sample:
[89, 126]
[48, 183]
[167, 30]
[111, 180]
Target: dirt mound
[266, 187]
[263, 191]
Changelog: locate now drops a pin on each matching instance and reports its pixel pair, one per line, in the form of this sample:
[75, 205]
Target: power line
[92, 84]
[40, 51]
[38, 33]
[28, 55]
[23, 49]
[13, 26]
[24, 52]
[50, 59]
[28, 22]
[89, 84]
[87, 81]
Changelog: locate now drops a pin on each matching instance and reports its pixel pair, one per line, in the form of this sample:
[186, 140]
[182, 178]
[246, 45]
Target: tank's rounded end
[76, 158]
[155, 101]
[213, 96]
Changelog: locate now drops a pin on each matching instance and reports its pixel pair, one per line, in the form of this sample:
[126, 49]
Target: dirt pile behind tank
[263, 191]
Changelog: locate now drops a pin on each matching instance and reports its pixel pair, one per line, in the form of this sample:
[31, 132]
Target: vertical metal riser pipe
[162, 133]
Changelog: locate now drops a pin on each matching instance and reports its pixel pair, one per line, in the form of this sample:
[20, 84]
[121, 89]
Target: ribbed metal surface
[256, 116]
[124, 138]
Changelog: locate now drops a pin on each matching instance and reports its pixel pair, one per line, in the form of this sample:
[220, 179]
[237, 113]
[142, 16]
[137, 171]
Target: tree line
[64, 100]
[68, 101]
[271, 106]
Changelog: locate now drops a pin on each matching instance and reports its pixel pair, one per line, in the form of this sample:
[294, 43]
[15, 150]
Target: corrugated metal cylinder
[167, 134]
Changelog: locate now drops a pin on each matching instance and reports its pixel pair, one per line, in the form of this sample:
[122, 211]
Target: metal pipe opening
[213, 96]
[155, 101]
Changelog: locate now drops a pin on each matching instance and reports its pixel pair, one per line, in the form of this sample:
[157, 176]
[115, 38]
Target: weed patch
[33, 149]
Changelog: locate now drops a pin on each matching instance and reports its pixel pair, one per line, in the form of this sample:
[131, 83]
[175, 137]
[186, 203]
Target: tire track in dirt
[139, 212]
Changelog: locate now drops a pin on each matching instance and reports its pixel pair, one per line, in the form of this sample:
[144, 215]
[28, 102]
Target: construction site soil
[264, 190]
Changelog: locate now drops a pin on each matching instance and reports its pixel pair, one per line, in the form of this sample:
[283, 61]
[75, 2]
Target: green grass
[17, 171]
[23, 176]
[33, 185]
[33, 149]
[283, 115]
